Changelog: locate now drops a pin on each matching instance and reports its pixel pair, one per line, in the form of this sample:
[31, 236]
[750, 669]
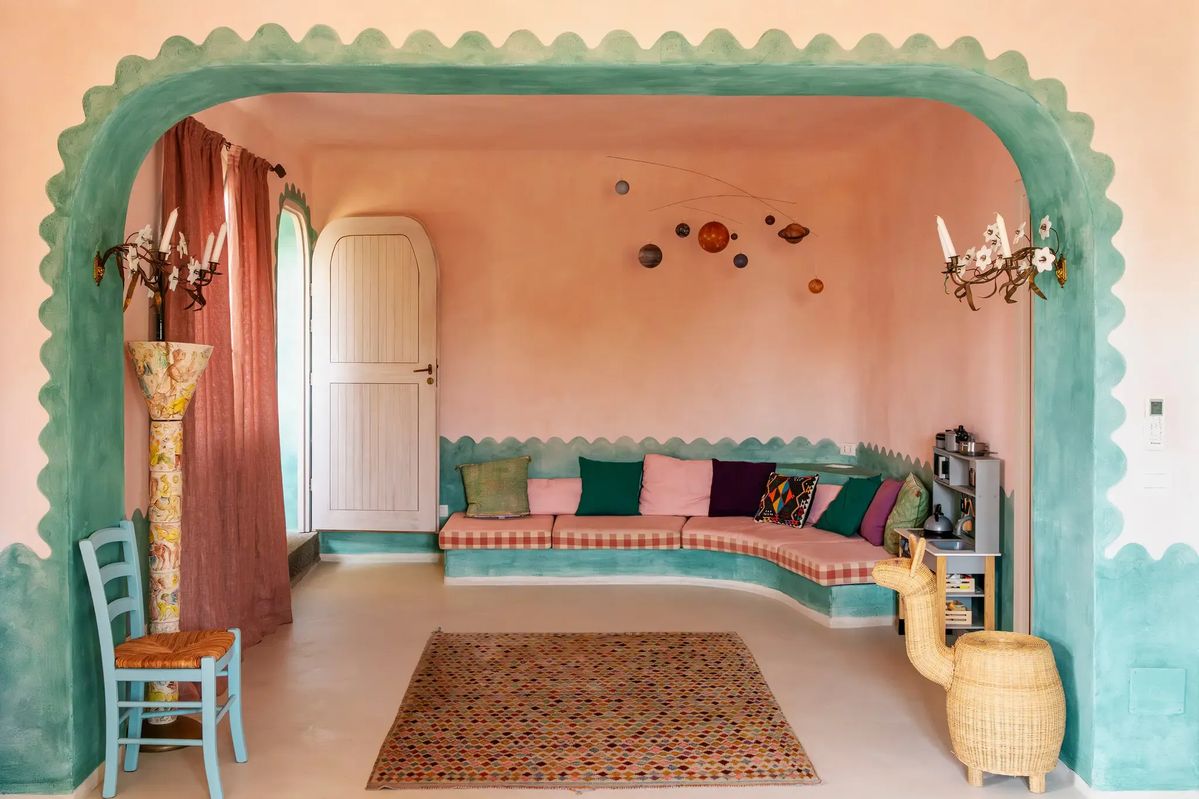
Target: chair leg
[235, 725]
[212, 768]
[974, 776]
[1036, 783]
[112, 731]
[137, 693]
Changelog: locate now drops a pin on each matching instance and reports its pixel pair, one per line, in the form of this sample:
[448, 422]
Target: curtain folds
[234, 547]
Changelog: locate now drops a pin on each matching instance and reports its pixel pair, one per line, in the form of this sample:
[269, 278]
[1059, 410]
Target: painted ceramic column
[168, 373]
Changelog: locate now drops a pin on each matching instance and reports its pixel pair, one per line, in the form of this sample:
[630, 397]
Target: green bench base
[834, 606]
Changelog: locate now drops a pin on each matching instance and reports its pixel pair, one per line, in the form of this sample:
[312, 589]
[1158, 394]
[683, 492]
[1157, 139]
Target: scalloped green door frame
[51, 745]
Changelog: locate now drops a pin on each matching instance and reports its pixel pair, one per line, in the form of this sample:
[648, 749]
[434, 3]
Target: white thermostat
[1155, 424]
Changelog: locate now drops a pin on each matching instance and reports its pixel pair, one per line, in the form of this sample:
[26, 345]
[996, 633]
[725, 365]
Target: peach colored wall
[1145, 103]
[546, 313]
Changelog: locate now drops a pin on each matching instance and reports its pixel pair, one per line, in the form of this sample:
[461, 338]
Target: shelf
[963, 594]
[990, 456]
[967, 490]
[963, 626]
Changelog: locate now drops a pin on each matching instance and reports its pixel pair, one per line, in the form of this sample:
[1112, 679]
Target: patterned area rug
[592, 710]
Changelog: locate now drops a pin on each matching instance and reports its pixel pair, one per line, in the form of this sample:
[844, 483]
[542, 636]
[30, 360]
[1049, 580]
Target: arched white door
[374, 376]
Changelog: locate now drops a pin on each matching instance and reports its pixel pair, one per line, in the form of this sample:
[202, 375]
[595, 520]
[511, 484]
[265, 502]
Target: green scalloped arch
[1076, 460]
[291, 195]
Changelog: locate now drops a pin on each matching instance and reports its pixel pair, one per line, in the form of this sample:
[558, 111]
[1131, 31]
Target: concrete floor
[321, 694]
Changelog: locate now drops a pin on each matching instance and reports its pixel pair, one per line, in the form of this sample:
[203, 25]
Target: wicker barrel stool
[1007, 712]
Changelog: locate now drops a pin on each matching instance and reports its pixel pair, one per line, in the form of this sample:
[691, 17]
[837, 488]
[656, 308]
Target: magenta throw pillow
[738, 486]
[875, 519]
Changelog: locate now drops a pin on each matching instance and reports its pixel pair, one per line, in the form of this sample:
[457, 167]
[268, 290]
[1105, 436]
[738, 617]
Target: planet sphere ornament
[682, 230]
[740, 260]
[793, 233]
[650, 255]
[815, 285]
[733, 236]
[770, 219]
[622, 187]
[713, 237]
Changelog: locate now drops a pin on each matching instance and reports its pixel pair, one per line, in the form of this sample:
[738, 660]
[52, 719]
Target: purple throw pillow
[737, 487]
[880, 508]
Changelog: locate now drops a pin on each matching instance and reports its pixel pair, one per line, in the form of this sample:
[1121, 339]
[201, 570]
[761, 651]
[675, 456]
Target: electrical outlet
[849, 449]
[444, 510]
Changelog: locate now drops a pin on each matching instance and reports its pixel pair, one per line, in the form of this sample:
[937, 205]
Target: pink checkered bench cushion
[529, 532]
[836, 560]
[743, 536]
[617, 532]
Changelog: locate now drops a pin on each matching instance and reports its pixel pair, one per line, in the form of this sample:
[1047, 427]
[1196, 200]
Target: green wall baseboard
[366, 543]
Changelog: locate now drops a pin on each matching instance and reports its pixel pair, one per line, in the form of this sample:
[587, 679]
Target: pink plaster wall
[546, 314]
[1145, 104]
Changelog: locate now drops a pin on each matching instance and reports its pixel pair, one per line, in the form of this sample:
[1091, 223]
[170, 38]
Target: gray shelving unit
[985, 494]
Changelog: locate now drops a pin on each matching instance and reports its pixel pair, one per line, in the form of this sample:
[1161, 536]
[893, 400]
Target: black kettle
[938, 525]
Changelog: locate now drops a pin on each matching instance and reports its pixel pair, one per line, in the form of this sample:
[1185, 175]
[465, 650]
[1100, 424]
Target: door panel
[374, 404]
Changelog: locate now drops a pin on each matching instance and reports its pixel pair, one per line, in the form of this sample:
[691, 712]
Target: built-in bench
[825, 575]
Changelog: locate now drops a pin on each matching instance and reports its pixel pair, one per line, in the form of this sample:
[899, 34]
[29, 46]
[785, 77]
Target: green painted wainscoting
[842, 601]
[354, 542]
[49, 725]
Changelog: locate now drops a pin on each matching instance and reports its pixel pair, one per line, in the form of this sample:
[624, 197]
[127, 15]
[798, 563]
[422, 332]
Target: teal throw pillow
[610, 488]
[845, 512]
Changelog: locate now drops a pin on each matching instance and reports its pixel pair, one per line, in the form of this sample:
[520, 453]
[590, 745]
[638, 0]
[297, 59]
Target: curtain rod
[276, 168]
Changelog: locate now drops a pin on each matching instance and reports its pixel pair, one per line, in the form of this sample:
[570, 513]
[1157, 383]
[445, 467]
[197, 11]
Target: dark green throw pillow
[844, 514]
[610, 488]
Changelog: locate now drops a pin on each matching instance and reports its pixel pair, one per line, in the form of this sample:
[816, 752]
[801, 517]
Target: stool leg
[235, 725]
[112, 731]
[137, 693]
[212, 768]
[974, 776]
[1036, 783]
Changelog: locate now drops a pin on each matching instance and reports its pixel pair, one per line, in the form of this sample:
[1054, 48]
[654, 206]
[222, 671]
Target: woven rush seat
[181, 650]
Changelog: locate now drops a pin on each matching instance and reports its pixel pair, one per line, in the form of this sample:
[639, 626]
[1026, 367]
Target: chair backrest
[125, 567]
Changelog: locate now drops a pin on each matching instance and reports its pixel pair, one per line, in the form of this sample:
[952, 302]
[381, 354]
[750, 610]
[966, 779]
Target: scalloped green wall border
[291, 194]
[1076, 367]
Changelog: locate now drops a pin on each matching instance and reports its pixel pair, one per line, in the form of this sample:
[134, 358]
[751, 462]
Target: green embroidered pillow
[497, 489]
[845, 512]
[911, 509]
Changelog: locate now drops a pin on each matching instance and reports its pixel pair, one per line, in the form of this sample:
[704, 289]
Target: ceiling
[566, 122]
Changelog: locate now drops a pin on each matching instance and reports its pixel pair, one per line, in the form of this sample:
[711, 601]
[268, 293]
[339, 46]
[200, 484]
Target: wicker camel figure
[1006, 709]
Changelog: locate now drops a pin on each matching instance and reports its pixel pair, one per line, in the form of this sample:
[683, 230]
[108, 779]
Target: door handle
[428, 369]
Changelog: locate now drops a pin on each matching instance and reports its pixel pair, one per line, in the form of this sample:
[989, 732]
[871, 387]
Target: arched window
[291, 349]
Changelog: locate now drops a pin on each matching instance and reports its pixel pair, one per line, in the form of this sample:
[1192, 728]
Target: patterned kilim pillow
[787, 499]
[497, 489]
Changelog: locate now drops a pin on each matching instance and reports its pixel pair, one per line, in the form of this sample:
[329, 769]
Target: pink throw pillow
[554, 496]
[825, 494]
[880, 508]
[674, 487]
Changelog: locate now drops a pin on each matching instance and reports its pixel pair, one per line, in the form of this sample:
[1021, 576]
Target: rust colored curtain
[234, 547]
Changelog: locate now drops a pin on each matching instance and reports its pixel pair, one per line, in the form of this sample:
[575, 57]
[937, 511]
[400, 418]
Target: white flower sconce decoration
[996, 266]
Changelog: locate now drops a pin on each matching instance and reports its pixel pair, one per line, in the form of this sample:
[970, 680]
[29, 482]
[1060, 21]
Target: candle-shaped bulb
[1001, 230]
[168, 230]
[946, 242]
[207, 250]
[220, 242]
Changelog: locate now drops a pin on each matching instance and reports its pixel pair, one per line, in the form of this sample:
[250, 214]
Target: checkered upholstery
[836, 561]
[737, 534]
[618, 532]
[528, 532]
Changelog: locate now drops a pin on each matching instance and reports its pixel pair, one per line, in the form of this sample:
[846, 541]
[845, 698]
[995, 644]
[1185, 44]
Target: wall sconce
[997, 266]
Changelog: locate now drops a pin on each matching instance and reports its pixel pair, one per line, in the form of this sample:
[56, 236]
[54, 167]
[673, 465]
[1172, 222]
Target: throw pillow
[610, 488]
[737, 487]
[911, 509]
[844, 514]
[554, 496]
[787, 500]
[497, 489]
[880, 508]
[825, 494]
[674, 487]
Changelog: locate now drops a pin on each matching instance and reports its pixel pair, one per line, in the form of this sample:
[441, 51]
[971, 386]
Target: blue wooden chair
[197, 656]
